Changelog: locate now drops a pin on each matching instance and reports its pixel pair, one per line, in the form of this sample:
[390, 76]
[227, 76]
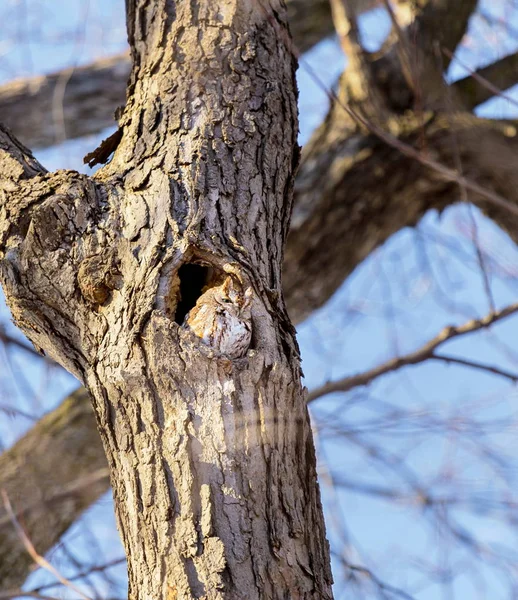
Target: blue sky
[436, 423]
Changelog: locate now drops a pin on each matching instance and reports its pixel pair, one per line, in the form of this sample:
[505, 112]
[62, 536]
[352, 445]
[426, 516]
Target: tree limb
[490, 81]
[426, 352]
[72, 103]
[442, 21]
[16, 161]
[31, 550]
[37, 473]
[99, 289]
[473, 364]
[352, 161]
[354, 191]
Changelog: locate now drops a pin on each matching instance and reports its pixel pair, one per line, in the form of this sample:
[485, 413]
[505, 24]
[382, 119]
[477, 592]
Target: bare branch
[441, 21]
[424, 353]
[16, 161]
[29, 546]
[359, 81]
[446, 172]
[361, 571]
[92, 93]
[476, 365]
[95, 569]
[9, 340]
[353, 192]
[490, 81]
[60, 465]
[69, 489]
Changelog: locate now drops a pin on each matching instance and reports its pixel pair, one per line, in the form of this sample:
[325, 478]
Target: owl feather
[221, 318]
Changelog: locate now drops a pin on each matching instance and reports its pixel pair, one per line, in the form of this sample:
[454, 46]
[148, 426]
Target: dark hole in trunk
[193, 278]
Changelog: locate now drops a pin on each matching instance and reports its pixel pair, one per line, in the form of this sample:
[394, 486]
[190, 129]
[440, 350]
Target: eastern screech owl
[222, 318]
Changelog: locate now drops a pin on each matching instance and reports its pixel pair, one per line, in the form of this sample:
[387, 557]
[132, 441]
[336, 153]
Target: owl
[222, 318]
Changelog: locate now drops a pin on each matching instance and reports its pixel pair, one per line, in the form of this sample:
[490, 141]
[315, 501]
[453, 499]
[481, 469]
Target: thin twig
[37, 558]
[8, 594]
[95, 569]
[480, 78]
[476, 365]
[424, 353]
[357, 570]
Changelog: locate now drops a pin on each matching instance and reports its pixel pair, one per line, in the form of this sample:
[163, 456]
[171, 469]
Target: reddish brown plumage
[222, 320]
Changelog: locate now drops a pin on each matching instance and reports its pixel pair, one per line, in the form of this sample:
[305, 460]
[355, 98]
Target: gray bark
[212, 460]
[354, 190]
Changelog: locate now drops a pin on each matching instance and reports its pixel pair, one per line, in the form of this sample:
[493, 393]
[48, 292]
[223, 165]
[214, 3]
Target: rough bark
[371, 191]
[45, 110]
[36, 474]
[327, 268]
[212, 461]
[400, 200]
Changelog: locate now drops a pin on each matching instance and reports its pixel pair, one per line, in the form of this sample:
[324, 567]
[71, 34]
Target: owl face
[231, 297]
[222, 318]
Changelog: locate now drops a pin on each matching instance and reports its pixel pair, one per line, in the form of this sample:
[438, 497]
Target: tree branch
[490, 81]
[354, 191]
[31, 550]
[361, 213]
[63, 446]
[473, 364]
[72, 103]
[16, 161]
[360, 84]
[442, 22]
[424, 353]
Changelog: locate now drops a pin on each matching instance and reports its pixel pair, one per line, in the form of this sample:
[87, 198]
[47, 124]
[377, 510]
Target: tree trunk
[211, 455]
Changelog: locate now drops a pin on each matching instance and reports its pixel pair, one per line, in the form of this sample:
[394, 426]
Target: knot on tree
[97, 276]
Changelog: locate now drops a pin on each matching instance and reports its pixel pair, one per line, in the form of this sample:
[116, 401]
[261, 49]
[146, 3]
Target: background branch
[61, 448]
[490, 81]
[426, 352]
[93, 92]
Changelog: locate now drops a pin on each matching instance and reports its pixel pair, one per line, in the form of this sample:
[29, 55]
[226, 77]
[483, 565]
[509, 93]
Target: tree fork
[212, 460]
